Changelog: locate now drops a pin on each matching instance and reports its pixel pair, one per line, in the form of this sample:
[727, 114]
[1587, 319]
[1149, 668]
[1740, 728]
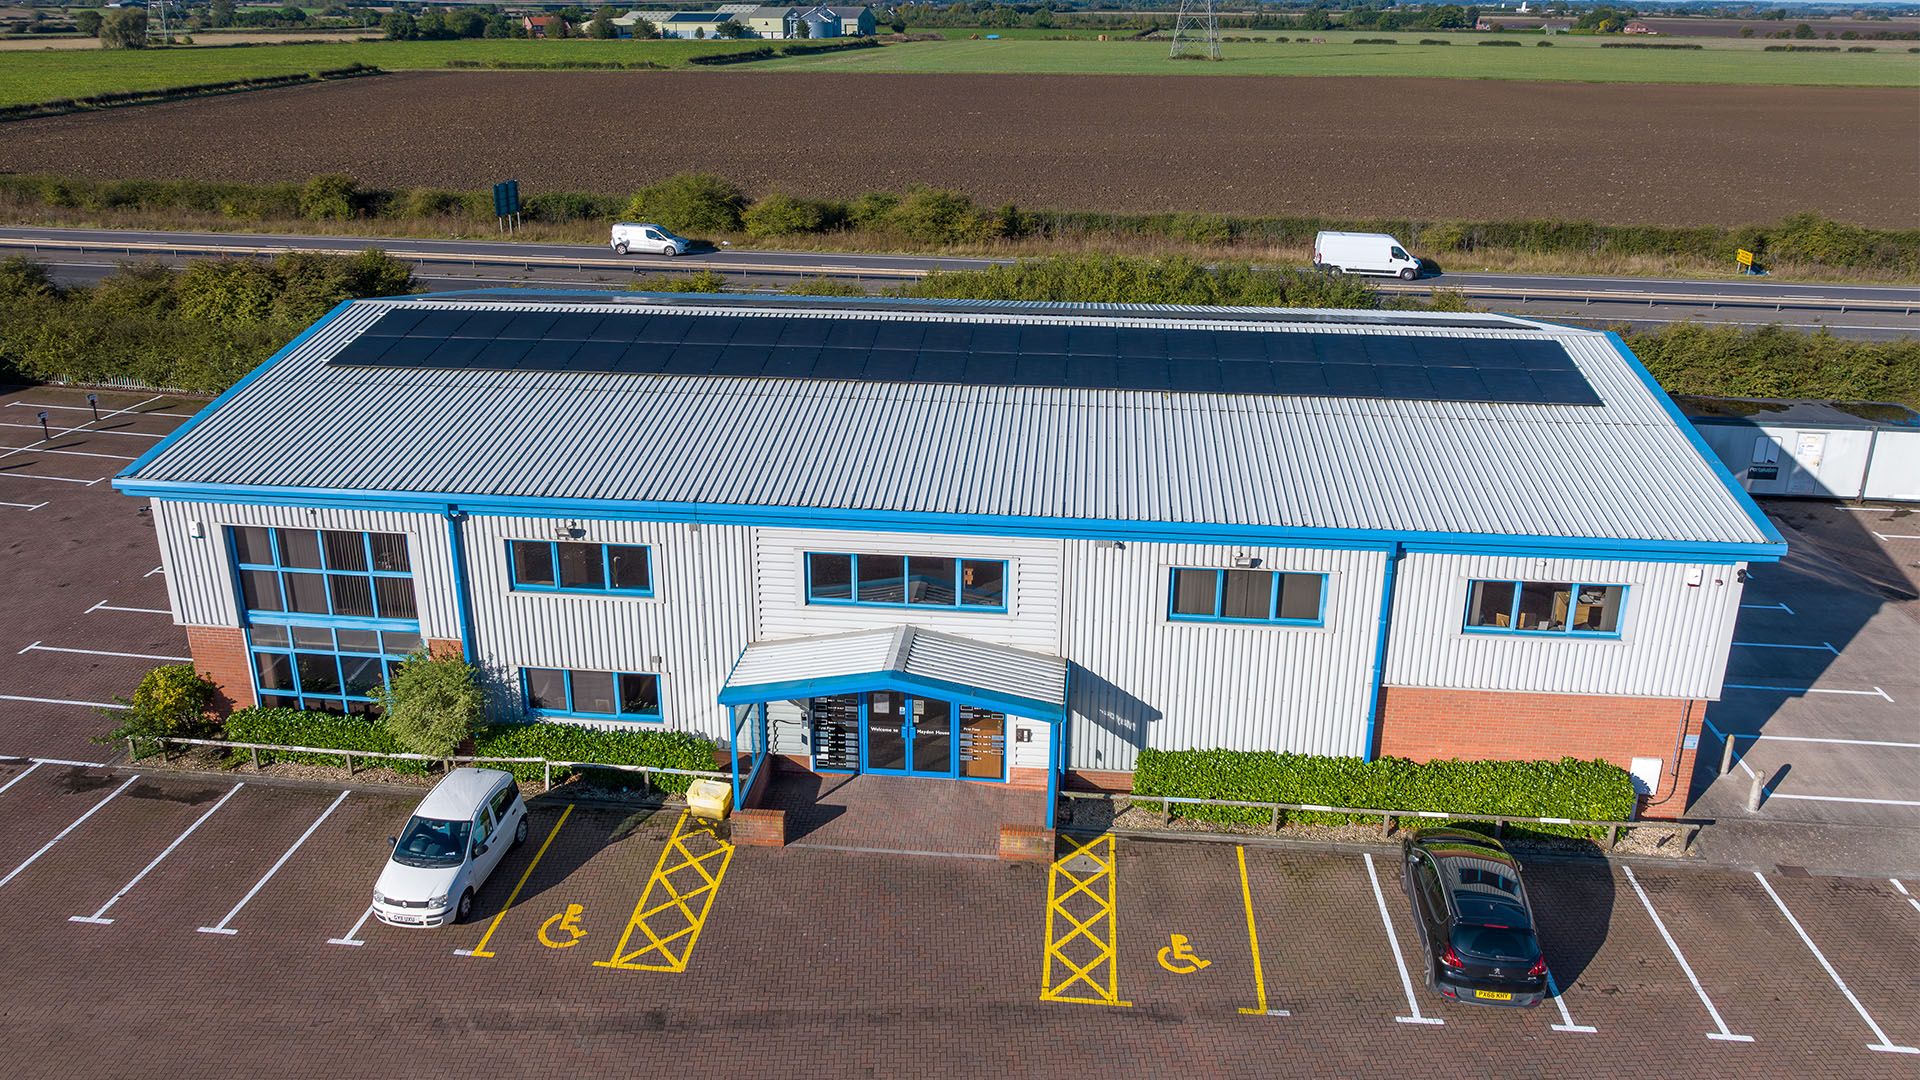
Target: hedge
[1568, 788]
[555, 742]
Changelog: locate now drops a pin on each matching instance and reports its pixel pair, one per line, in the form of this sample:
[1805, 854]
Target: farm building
[969, 540]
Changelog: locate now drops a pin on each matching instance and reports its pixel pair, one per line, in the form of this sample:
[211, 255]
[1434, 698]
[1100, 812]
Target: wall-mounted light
[1245, 562]
[569, 530]
[196, 530]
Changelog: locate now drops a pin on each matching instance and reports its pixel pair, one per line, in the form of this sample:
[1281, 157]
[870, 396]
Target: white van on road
[451, 844]
[1364, 253]
[645, 237]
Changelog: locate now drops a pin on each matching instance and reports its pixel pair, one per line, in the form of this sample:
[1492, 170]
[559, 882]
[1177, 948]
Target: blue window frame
[592, 695]
[1544, 607]
[918, 581]
[323, 572]
[571, 567]
[1253, 597]
[327, 668]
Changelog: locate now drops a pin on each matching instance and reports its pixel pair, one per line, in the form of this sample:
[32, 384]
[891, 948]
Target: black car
[1476, 927]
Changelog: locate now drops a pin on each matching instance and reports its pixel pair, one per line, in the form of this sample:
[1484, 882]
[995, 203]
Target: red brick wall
[220, 654]
[1425, 724]
[443, 647]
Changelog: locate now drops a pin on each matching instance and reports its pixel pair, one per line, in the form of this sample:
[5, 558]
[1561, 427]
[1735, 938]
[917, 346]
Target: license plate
[1493, 995]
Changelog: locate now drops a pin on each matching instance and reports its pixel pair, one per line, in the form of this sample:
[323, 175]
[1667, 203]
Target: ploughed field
[1443, 148]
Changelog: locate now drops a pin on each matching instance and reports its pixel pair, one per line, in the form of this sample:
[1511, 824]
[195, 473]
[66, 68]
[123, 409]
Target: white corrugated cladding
[1032, 619]
[1673, 642]
[1143, 680]
[200, 585]
[909, 650]
[688, 632]
[1623, 470]
[797, 659]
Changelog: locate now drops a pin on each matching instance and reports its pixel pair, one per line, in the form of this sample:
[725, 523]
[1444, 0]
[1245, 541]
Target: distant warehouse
[982, 541]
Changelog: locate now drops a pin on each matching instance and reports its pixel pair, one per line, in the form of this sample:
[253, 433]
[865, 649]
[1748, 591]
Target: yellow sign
[1178, 956]
[1743, 257]
[568, 922]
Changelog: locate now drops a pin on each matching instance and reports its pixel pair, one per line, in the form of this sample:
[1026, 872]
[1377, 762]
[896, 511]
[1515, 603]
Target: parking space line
[86, 408]
[1724, 737]
[1723, 1034]
[77, 822]
[61, 479]
[1875, 692]
[351, 939]
[29, 507]
[1253, 944]
[37, 764]
[221, 926]
[1895, 536]
[82, 426]
[1896, 882]
[1090, 867]
[63, 701]
[37, 647]
[155, 570]
[480, 950]
[89, 431]
[85, 453]
[1884, 1046]
[1825, 646]
[677, 901]
[104, 606]
[98, 917]
[1768, 607]
[1843, 799]
[1566, 1018]
[1406, 982]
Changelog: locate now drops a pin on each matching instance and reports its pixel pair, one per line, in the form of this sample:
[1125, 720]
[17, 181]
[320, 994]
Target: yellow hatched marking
[671, 913]
[1087, 906]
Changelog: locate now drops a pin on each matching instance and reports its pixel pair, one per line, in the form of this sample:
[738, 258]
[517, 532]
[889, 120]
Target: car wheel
[668, 251]
[465, 907]
[1335, 270]
[1408, 273]
[520, 832]
[620, 248]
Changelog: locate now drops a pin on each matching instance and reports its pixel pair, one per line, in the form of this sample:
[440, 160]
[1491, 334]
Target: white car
[645, 237]
[454, 840]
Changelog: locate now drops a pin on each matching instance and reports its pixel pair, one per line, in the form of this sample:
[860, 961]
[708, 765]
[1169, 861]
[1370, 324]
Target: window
[1246, 596]
[329, 669]
[1544, 607]
[566, 566]
[598, 695]
[352, 575]
[932, 581]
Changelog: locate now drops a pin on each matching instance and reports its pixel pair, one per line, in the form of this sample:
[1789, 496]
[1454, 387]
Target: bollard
[1753, 795]
[1726, 756]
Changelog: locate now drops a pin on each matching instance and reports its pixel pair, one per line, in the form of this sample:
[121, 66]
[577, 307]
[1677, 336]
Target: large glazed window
[592, 695]
[569, 566]
[1270, 597]
[328, 668]
[918, 581]
[351, 575]
[1544, 607]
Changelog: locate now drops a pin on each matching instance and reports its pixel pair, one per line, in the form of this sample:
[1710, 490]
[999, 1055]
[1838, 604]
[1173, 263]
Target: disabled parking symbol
[566, 922]
[1178, 956]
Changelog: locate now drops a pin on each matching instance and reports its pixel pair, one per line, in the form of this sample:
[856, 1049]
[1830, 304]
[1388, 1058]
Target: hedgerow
[296, 727]
[1568, 788]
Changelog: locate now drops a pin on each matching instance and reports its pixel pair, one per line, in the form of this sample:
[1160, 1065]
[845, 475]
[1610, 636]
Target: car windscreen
[1495, 942]
[430, 842]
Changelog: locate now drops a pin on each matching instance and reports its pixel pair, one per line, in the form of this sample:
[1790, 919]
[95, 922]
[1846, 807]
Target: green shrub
[1582, 790]
[328, 197]
[1772, 361]
[938, 216]
[784, 215]
[227, 292]
[700, 281]
[690, 203]
[1119, 279]
[295, 727]
[822, 286]
[870, 211]
[566, 742]
[430, 704]
[172, 699]
[439, 202]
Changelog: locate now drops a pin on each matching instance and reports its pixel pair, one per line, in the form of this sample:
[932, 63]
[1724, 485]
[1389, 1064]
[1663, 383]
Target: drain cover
[1082, 864]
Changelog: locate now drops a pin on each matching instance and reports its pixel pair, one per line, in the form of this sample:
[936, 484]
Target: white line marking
[1875, 692]
[1405, 982]
[23, 652]
[350, 939]
[1883, 1045]
[1845, 799]
[90, 431]
[61, 479]
[155, 570]
[1566, 1019]
[37, 647]
[84, 453]
[1723, 737]
[1768, 607]
[11, 874]
[1817, 739]
[62, 701]
[75, 764]
[28, 507]
[221, 926]
[86, 408]
[1723, 1035]
[1896, 884]
[1822, 647]
[12, 450]
[104, 606]
[98, 917]
[1895, 536]
[37, 764]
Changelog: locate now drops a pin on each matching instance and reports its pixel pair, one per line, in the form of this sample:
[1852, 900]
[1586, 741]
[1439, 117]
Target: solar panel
[854, 346]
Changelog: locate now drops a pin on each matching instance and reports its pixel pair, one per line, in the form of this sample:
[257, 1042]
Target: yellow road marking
[1253, 942]
[677, 900]
[480, 950]
[1097, 889]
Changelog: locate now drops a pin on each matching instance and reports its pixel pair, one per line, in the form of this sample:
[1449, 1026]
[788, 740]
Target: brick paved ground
[898, 813]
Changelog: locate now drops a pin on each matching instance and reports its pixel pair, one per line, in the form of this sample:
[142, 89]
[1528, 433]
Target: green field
[1570, 59]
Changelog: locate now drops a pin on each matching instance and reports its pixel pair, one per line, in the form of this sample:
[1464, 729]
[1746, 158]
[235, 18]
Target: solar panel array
[861, 349]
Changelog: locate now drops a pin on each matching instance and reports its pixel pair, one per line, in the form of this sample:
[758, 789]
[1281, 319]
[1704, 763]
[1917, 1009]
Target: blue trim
[1568, 547]
[462, 602]
[898, 681]
[1380, 652]
[853, 582]
[1739, 494]
[1220, 598]
[1467, 625]
[332, 622]
[606, 570]
[569, 713]
[232, 391]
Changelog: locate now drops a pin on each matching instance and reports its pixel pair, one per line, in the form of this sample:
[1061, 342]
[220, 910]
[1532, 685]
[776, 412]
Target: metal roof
[904, 658]
[972, 456]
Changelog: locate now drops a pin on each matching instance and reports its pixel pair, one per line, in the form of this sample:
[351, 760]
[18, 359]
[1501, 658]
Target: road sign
[506, 198]
[1743, 257]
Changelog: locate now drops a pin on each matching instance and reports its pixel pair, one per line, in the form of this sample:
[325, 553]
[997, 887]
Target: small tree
[730, 28]
[802, 30]
[87, 22]
[328, 197]
[172, 699]
[644, 29]
[123, 28]
[431, 704]
[400, 26]
[693, 203]
[601, 26]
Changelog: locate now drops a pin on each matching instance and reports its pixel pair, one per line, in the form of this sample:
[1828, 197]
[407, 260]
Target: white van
[452, 843]
[645, 236]
[1364, 253]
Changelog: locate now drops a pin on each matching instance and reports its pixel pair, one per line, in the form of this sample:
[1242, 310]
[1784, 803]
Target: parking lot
[158, 922]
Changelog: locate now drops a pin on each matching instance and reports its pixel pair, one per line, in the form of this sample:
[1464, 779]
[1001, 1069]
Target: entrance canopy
[906, 659]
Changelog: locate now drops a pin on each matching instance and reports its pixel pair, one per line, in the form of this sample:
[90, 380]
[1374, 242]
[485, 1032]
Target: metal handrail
[1689, 829]
[547, 764]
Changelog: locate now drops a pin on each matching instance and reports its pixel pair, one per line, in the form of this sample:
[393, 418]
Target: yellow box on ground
[710, 799]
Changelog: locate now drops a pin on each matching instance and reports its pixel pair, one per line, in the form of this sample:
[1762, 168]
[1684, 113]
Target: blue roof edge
[1739, 494]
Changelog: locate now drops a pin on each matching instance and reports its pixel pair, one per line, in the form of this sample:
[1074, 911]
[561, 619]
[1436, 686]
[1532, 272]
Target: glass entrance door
[932, 738]
[909, 734]
[886, 732]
